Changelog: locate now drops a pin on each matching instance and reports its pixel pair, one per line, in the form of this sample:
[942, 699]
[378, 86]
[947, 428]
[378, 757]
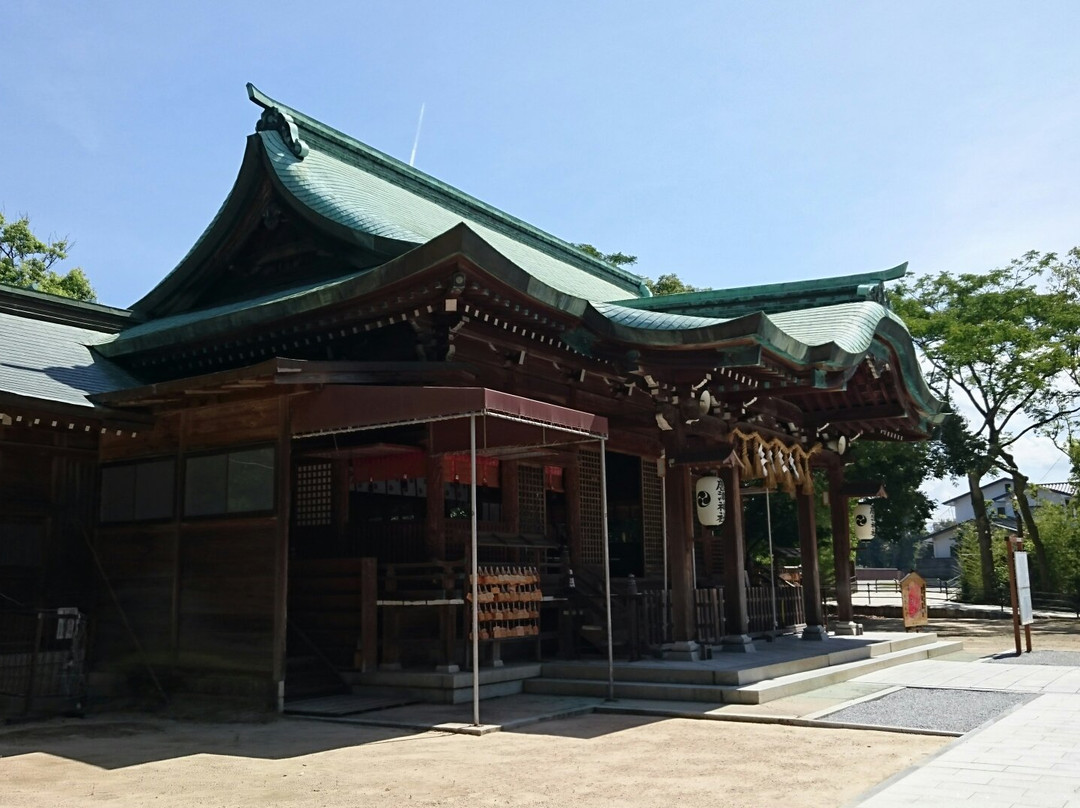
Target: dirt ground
[588, 761]
[595, 760]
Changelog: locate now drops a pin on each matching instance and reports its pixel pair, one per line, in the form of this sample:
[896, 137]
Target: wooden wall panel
[225, 642]
[136, 551]
[25, 479]
[146, 603]
[227, 595]
[233, 424]
[161, 439]
[228, 547]
[138, 564]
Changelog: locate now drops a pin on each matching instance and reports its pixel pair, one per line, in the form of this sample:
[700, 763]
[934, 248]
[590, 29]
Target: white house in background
[999, 503]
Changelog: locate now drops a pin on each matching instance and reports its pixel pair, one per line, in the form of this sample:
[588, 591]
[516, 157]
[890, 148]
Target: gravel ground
[925, 708]
[1068, 659]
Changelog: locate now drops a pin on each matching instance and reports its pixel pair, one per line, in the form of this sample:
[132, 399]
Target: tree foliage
[615, 259]
[1003, 343]
[900, 518]
[670, 284]
[27, 262]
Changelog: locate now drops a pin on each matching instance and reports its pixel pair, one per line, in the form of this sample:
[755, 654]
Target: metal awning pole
[607, 567]
[475, 575]
[772, 560]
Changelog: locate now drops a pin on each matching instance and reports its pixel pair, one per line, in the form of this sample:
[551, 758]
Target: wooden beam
[862, 489]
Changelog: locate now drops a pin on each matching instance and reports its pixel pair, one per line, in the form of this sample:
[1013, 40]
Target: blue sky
[729, 143]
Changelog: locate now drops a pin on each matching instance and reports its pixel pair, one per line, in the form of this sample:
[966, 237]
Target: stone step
[689, 685]
[795, 683]
[704, 674]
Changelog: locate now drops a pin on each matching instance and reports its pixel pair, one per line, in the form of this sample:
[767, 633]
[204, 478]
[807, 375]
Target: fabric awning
[506, 419]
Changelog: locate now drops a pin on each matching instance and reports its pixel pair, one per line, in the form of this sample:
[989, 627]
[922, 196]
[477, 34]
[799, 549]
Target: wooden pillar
[435, 527]
[572, 488]
[841, 531]
[680, 531]
[736, 614]
[284, 473]
[511, 500]
[339, 476]
[811, 575]
[366, 658]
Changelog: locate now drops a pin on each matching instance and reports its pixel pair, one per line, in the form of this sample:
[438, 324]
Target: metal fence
[42, 662]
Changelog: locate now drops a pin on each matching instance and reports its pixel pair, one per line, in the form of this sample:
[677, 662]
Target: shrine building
[372, 428]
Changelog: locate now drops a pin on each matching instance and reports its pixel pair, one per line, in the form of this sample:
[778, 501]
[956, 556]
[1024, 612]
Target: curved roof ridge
[777, 297]
[390, 168]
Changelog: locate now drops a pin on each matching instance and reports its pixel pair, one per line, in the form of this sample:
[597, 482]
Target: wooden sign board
[913, 600]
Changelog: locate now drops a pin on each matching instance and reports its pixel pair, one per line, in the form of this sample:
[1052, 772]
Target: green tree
[1001, 343]
[1060, 528]
[899, 519]
[27, 262]
[670, 284]
[616, 258]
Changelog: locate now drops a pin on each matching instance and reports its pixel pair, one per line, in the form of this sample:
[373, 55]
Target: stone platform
[784, 667]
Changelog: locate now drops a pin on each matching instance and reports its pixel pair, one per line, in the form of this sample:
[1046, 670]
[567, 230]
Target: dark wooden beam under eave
[879, 412]
[430, 373]
[864, 489]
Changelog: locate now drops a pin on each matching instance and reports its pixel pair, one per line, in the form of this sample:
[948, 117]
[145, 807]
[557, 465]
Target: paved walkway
[1030, 757]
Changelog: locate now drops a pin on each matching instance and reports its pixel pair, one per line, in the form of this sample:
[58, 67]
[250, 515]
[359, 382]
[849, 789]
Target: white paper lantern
[711, 500]
[864, 522]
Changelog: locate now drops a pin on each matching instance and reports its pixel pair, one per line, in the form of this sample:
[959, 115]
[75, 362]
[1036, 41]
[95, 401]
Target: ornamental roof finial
[274, 119]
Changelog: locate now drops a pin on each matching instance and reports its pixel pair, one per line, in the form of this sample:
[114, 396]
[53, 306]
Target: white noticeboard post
[1023, 588]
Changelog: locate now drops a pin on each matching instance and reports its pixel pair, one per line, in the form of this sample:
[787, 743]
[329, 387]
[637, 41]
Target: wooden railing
[651, 614]
[790, 610]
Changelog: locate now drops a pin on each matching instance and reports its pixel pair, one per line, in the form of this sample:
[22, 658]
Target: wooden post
[680, 557]
[841, 531]
[435, 527]
[811, 575]
[367, 656]
[1014, 544]
[339, 476]
[511, 500]
[281, 549]
[736, 614]
[572, 487]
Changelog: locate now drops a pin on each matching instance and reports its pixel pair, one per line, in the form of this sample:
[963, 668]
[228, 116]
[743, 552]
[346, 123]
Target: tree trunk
[1031, 531]
[982, 530]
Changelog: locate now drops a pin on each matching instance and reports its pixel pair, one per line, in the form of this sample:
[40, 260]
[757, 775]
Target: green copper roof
[220, 319]
[359, 199]
[851, 326]
[775, 297]
[354, 185]
[54, 362]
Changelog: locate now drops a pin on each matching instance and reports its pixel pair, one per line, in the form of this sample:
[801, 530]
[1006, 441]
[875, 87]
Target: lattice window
[532, 513]
[592, 518]
[313, 504]
[652, 518]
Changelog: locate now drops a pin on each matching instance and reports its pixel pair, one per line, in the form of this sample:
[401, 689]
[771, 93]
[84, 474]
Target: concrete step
[773, 663]
[682, 684]
[446, 687]
[795, 683]
[656, 691]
